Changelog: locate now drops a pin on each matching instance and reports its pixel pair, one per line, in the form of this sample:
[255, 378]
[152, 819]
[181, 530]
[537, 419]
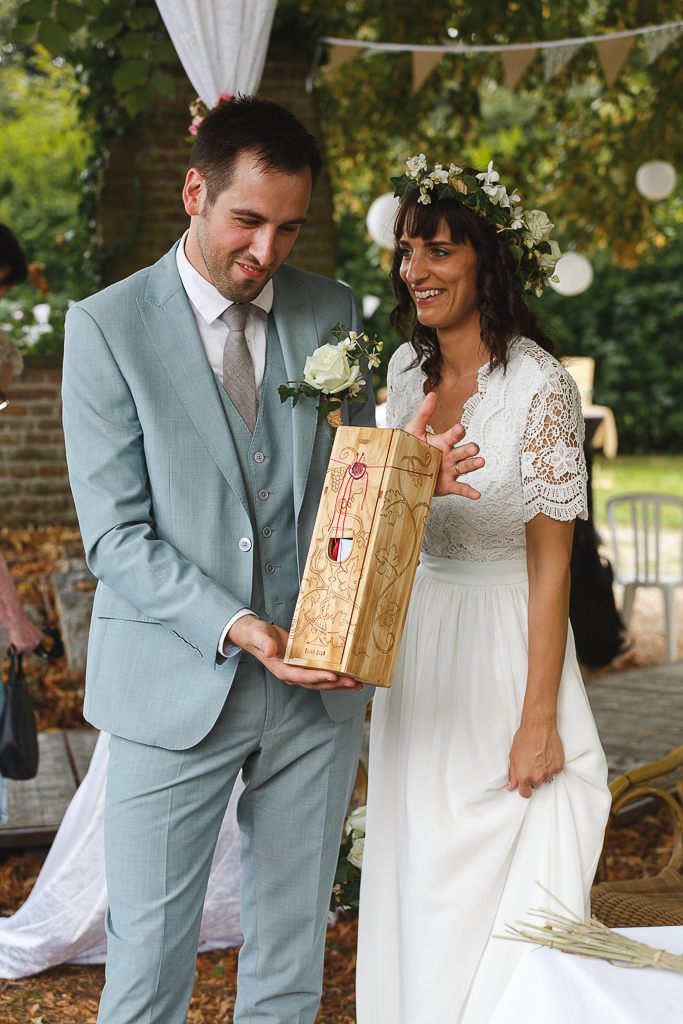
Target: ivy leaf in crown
[527, 232]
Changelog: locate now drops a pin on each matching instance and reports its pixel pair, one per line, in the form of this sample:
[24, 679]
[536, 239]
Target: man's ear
[194, 192]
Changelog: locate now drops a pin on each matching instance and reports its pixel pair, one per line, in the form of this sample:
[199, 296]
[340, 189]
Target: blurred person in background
[13, 266]
[22, 633]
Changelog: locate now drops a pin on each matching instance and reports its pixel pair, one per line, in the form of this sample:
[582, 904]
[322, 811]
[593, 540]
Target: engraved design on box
[334, 581]
[393, 562]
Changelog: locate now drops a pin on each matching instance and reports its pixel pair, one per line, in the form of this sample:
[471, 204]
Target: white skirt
[450, 855]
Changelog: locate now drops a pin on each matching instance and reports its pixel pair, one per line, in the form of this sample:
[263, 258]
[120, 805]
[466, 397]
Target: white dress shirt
[207, 305]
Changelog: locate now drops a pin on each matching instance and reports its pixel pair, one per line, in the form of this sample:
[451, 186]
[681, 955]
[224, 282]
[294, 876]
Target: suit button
[270, 567]
[259, 457]
[263, 495]
[267, 532]
[245, 544]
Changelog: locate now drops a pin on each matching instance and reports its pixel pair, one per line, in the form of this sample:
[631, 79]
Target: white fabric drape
[63, 919]
[222, 43]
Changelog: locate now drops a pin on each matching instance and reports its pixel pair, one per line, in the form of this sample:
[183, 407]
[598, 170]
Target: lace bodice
[528, 425]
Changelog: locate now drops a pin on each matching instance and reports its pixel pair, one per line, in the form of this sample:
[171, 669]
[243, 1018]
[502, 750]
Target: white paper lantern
[380, 220]
[656, 179]
[575, 273]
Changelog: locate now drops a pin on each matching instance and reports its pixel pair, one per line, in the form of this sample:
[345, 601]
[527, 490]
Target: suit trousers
[163, 812]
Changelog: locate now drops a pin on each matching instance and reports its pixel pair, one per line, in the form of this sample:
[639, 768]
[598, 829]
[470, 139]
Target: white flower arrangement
[529, 240]
[332, 374]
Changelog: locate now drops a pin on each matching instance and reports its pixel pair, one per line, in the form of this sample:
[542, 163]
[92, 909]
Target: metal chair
[650, 559]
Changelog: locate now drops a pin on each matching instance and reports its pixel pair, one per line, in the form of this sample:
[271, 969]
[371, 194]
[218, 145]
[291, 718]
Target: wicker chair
[644, 902]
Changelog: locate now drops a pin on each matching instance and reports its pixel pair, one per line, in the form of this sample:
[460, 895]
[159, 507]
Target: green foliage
[138, 45]
[631, 323]
[43, 155]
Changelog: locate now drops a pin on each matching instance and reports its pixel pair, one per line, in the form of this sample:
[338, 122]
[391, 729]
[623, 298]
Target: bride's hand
[536, 757]
[455, 462]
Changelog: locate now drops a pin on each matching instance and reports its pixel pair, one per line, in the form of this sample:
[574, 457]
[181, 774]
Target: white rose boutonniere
[333, 373]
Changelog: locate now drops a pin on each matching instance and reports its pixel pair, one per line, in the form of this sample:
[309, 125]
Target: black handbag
[18, 732]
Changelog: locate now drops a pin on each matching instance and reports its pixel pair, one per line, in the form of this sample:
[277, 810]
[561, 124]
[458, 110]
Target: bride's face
[441, 276]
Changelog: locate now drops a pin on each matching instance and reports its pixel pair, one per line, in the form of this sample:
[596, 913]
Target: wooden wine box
[364, 552]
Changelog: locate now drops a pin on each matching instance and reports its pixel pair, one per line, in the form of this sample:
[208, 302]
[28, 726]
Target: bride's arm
[554, 482]
[536, 753]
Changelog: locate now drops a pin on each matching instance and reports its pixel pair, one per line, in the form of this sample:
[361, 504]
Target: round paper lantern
[575, 273]
[655, 179]
[380, 220]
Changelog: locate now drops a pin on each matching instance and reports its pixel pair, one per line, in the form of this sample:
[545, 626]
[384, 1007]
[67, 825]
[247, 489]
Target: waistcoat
[266, 462]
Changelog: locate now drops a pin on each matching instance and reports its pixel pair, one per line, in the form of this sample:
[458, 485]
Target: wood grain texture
[350, 612]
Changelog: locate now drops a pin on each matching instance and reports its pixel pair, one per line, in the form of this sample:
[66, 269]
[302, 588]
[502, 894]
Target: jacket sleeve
[109, 480]
[361, 414]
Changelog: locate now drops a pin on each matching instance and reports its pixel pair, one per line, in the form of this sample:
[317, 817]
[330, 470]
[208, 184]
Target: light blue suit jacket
[161, 500]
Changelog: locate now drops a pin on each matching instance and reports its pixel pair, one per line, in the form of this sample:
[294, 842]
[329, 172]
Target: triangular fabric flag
[515, 63]
[613, 53]
[557, 57]
[424, 62]
[339, 54]
[657, 42]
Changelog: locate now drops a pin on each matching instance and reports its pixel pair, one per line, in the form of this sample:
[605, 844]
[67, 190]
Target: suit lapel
[296, 327]
[170, 324]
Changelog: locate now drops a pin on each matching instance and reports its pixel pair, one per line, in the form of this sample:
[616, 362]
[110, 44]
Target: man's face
[249, 231]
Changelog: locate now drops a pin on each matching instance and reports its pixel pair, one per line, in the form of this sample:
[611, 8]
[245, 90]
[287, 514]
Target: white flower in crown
[424, 197]
[539, 227]
[518, 216]
[438, 174]
[415, 164]
[489, 177]
[454, 169]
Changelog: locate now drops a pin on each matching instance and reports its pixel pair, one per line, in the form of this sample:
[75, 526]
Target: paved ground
[639, 714]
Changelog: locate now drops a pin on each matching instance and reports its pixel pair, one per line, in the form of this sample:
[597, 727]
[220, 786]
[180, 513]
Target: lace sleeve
[553, 464]
[403, 386]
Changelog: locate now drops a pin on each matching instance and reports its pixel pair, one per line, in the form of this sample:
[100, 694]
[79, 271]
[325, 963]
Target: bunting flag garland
[515, 63]
[423, 65]
[612, 54]
[339, 54]
[657, 42]
[613, 49]
[557, 58]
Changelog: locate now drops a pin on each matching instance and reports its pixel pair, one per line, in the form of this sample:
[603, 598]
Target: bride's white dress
[63, 919]
[450, 855]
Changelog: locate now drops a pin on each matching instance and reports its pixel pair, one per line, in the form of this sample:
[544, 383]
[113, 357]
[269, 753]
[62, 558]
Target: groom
[197, 492]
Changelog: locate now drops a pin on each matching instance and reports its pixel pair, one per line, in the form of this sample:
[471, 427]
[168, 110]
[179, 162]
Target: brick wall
[140, 216]
[34, 486]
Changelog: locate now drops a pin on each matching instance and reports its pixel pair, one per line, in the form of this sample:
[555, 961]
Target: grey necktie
[238, 368]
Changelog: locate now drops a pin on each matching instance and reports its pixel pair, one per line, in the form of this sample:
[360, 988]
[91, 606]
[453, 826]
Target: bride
[486, 771]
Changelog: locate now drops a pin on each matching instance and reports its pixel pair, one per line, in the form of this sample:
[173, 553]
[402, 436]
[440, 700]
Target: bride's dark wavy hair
[503, 313]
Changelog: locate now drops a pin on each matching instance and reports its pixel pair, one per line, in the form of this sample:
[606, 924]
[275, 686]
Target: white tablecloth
[550, 987]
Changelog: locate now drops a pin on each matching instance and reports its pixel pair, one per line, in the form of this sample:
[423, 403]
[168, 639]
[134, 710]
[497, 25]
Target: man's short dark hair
[12, 256]
[248, 123]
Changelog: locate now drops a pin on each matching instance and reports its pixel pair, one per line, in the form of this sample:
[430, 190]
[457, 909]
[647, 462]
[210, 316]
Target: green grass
[636, 474]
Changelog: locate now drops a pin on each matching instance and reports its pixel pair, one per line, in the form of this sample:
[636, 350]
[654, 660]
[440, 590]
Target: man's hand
[268, 643]
[455, 462]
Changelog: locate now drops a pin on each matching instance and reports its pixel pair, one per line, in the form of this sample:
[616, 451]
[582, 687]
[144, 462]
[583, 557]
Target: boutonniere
[332, 373]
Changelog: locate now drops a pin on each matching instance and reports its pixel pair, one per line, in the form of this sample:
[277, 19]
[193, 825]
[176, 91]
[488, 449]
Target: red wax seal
[357, 470]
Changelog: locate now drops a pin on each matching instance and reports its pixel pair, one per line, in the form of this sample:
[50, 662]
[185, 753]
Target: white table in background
[550, 987]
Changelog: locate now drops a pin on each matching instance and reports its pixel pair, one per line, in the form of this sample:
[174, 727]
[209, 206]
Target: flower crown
[528, 233]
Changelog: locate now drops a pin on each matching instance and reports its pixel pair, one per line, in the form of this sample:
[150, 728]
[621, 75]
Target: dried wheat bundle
[589, 939]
